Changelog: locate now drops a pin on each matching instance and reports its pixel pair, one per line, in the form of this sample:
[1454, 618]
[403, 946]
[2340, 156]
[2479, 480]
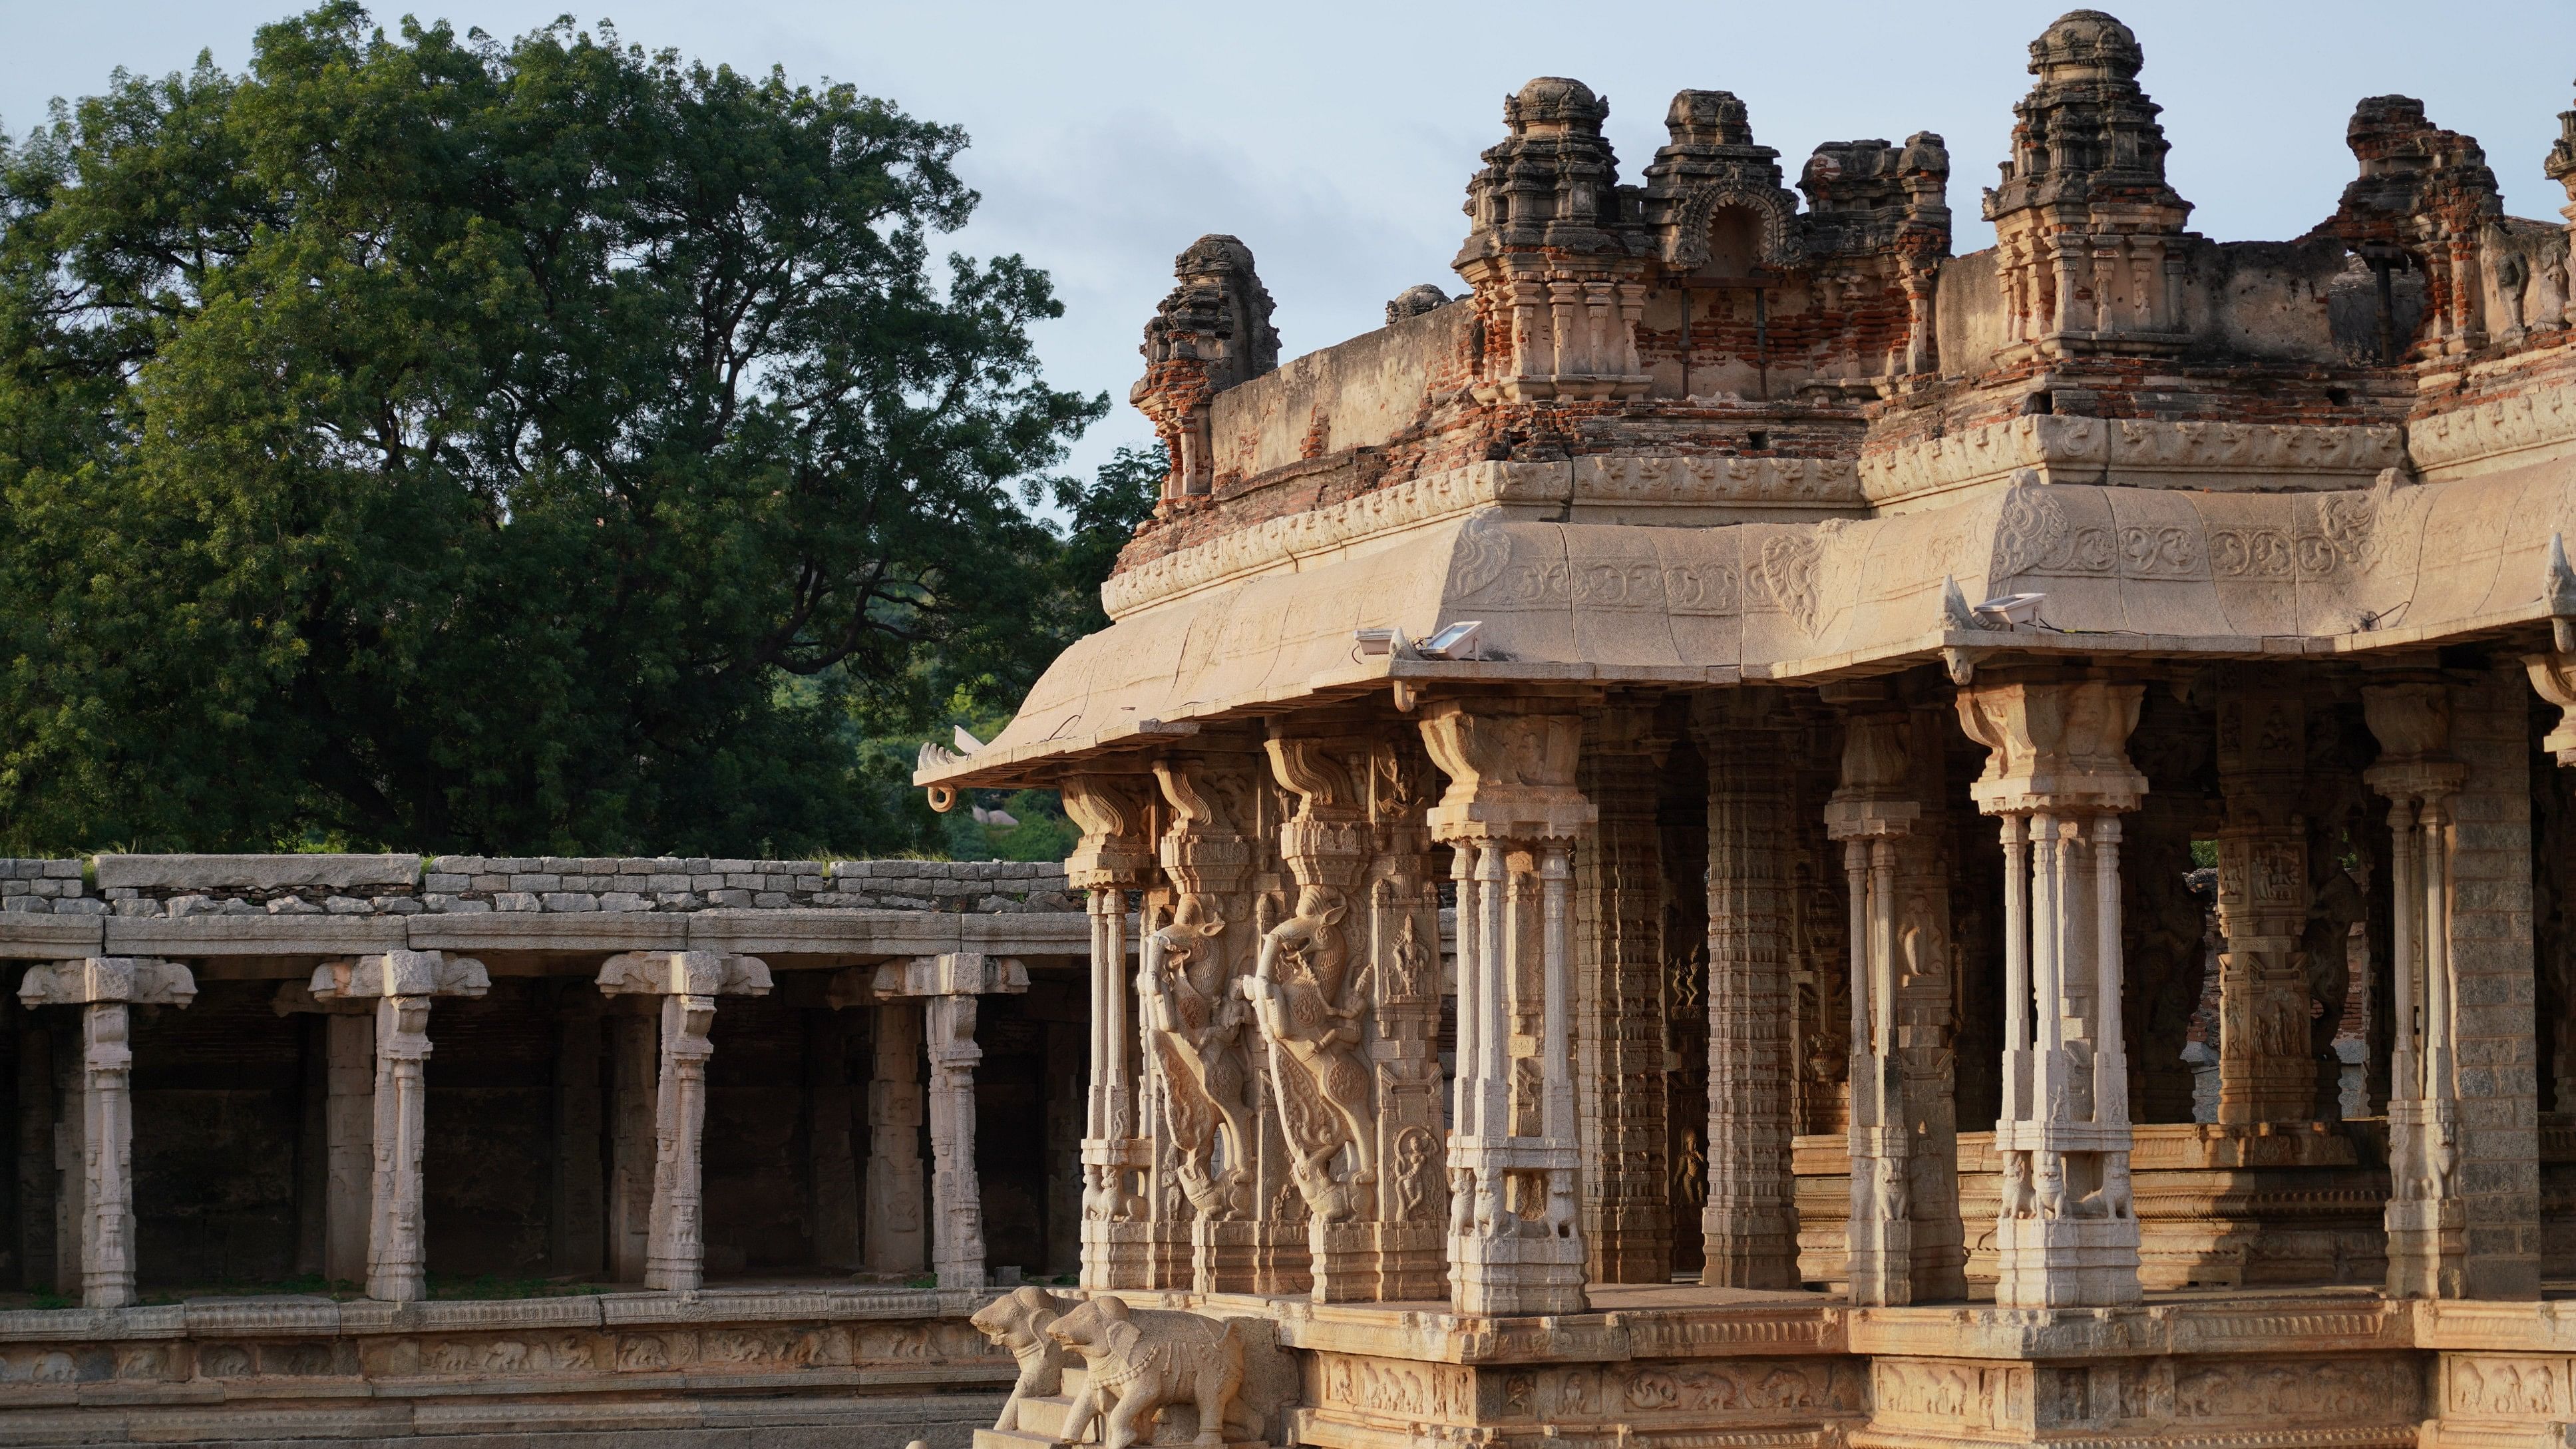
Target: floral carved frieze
[2317, 536]
[2493, 430]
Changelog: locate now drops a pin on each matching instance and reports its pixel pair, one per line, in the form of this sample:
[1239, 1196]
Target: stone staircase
[1042, 1423]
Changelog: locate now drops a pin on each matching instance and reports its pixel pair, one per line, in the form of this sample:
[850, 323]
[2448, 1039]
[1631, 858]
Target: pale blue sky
[1336, 139]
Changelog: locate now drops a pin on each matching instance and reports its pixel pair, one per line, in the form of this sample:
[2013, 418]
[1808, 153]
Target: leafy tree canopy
[422, 440]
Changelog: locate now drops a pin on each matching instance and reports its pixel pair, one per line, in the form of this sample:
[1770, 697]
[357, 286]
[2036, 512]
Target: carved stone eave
[2126, 572]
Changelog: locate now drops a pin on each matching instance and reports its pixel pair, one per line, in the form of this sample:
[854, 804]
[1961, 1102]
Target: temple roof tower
[1212, 332]
[1712, 164]
[1554, 183]
[2088, 227]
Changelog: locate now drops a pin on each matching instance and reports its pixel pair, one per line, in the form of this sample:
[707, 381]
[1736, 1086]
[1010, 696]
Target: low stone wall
[402, 885]
[783, 1368]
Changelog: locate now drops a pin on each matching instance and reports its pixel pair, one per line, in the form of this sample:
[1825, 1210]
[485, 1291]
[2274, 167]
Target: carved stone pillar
[401, 984]
[893, 1241]
[105, 988]
[2265, 1071]
[2058, 774]
[1114, 857]
[2427, 1220]
[1195, 1017]
[1620, 1102]
[1749, 1225]
[688, 983]
[1869, 814]
[1309, 997]
[1511, 815]
[1926, 1018]
[1400, 1035]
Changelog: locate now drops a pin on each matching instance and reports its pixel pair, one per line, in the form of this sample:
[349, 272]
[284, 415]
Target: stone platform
[853, 1368]
[2270, 1205]
[1686, 1365]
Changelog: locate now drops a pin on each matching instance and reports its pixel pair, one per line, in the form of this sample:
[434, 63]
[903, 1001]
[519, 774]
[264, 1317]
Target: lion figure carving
[1139, 1360]
[1018, 1321]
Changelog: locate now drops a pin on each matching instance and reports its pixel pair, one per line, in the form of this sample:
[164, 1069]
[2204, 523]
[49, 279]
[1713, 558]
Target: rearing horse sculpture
[1297, 989]
[1195, 1025]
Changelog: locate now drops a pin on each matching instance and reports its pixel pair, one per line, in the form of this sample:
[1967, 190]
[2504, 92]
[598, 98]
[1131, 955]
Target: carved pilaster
[1869, 814]
[1749, 1225]
[2427, 1219]
[688, 983]
[1511, 815]
[1223, 1154]
[2265, 1072]
[401, 984]
[1309, 993]
[1115, 856]
[2058, 774]
[1620, 1078]
[105, 988]
[1401, 1033]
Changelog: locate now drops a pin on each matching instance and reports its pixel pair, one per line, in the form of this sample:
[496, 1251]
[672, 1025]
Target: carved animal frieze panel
[2500, 1386]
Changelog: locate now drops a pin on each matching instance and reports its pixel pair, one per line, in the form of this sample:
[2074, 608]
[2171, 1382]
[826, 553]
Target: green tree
[427, 440]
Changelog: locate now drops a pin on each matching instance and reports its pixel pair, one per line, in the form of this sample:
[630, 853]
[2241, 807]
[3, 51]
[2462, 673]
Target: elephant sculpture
[1139, 1360]
[1018, 1321]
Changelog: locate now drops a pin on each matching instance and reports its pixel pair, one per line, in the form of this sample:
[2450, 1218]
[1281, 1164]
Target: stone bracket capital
[950, 973]
[400, 973]
[89, 980]
[683, 973]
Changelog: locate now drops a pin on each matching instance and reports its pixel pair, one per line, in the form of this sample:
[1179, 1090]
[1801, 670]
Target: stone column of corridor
[946, 987]
[687, 983]
[2265, 1071]
[1749, 1226]
[105, 988]
[401, 985]
[1114, 856]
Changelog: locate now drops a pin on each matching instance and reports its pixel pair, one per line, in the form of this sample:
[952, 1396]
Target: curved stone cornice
[1621, 482]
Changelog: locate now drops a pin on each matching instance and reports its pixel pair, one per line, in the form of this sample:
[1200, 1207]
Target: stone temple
[1754, 832]
[1751, 833]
